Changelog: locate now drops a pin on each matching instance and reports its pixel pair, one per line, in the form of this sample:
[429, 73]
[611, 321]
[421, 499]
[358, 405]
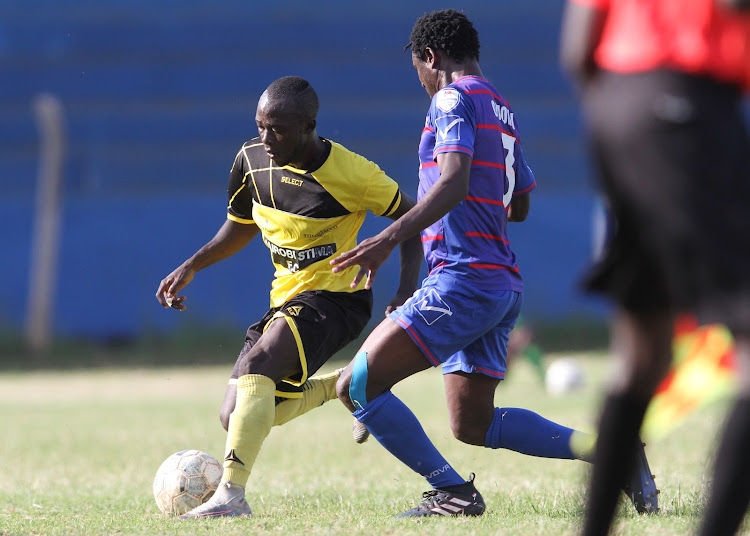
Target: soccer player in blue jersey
[473, 179]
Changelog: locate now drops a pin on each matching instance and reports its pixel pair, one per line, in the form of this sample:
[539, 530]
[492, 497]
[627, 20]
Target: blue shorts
[460, 326]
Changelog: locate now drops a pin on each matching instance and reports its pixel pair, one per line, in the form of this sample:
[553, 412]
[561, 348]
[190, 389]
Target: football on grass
[185, 480]
[563, 376]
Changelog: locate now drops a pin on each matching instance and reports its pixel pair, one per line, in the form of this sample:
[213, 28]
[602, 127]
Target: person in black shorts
[307, 196]
[662, 97]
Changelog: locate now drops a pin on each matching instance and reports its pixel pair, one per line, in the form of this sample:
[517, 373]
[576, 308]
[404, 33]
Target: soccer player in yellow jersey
[307, 196]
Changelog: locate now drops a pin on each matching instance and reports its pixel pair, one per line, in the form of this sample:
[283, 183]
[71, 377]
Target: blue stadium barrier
[158, 97]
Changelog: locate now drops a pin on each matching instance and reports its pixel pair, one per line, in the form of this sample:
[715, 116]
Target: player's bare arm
[230, 239]
[581, 29]
[410, 254]
[519, 207]
[446, 193]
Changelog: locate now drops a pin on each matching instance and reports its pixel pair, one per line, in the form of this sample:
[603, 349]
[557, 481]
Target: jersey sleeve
[240, 207]
[383, 195]
[453, 117]
[359, 184]
[525, 181]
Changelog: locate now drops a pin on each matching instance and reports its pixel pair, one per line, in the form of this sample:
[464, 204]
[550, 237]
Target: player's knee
[259, 360]
[468, 431]
[252, 363]
[342, 387]
[351, 388]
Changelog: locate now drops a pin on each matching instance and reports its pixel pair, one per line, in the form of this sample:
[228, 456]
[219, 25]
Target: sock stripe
[256, 384]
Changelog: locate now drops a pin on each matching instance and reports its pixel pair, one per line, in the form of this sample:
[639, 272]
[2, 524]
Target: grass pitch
[80, 449]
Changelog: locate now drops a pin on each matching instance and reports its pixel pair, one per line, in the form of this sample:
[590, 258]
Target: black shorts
[323, 323]
[673, 158]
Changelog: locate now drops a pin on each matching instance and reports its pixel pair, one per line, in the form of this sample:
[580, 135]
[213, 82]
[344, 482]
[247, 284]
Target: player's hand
[369, 255]
[398, 300]
[171, 285]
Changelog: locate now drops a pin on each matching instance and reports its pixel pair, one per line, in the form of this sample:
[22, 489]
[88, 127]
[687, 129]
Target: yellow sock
[583, 445]
[316, 392]
[249, 426]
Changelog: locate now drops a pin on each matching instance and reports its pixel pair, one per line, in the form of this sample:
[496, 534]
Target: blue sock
[398, 430]
[526, 432]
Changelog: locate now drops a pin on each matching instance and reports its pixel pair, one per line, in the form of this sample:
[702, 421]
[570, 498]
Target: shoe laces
[431, 499]
[437, 495]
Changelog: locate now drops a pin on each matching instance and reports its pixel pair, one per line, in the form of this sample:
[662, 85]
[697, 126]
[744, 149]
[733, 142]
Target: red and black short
[322, 323]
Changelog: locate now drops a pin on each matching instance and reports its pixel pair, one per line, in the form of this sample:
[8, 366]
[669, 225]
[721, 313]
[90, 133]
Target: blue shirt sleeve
[525, 181]
[454, 119]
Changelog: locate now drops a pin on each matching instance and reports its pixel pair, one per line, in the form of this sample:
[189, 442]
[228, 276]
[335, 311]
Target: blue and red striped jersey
[470, 116]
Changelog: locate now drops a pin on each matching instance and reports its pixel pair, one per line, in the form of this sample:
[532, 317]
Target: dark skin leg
[227, 407]
[275, 356]
[642, 346]
[730, 494]
[471, 405]
[742, 351]
[391, 356]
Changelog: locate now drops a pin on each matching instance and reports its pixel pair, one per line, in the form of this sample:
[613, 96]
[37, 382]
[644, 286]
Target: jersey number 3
[509, 144]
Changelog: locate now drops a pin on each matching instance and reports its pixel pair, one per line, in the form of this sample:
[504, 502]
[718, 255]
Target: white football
[563, 376]
[185, 480]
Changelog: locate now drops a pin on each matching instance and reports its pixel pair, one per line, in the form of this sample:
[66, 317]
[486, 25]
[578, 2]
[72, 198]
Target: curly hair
[449, 31]
[299, 89]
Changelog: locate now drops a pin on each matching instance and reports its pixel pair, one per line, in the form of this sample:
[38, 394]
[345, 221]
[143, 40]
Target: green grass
[79, 450]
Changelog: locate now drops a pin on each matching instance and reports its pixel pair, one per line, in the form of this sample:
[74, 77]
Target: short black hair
[449, 31]
[299, 89]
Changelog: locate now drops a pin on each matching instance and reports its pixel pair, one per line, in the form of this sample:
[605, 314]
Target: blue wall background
[159, 96]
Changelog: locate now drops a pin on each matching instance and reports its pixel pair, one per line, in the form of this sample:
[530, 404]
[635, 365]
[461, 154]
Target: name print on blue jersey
[503, 114]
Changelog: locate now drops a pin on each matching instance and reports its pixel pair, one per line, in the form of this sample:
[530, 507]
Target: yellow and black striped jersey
[307, 217]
